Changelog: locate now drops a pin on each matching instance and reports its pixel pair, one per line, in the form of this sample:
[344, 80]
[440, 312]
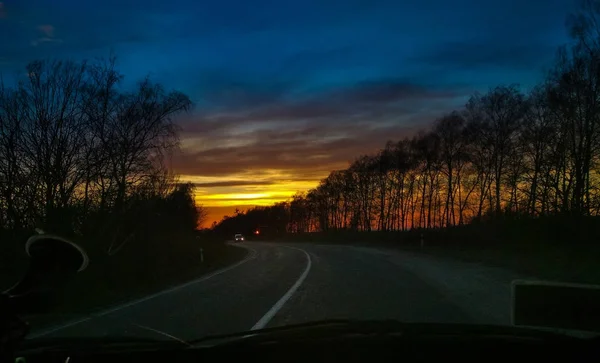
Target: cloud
[47, 30]
[308, 137]
[372, 101]
[311, 150]
[264, 200]
[264, 154]
[43, 40]
[232, 183]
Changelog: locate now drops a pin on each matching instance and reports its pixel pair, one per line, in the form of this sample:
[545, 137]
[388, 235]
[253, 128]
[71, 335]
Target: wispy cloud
[43, 40]
[47, 30]
[370, 101]
[231, 183]
[47, 35]
[312, 148]
[264, 153]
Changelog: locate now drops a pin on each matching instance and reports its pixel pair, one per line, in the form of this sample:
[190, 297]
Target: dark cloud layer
[304, 151]
[314, 135]
[367, 101]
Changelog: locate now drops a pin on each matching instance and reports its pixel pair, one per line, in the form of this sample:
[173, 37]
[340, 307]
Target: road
[279, 284]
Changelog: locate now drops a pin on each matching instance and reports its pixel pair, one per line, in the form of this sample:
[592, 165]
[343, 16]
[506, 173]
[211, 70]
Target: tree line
[83, 155]
[506, 153]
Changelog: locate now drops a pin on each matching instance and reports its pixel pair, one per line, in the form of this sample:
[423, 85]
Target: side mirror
[53, 261]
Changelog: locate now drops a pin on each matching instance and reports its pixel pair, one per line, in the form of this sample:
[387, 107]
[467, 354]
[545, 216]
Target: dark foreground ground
[285, 283]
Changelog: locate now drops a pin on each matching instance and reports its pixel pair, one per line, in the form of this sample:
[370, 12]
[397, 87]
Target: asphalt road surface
[279, 284]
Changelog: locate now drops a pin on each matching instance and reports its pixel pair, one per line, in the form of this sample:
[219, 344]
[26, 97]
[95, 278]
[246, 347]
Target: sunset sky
[286, 91]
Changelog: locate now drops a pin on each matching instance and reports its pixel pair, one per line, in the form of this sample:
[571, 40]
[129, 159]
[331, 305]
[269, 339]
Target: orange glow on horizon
[221, 196]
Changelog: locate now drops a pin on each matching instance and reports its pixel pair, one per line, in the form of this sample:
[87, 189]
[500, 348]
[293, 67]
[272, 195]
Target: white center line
[279, 304]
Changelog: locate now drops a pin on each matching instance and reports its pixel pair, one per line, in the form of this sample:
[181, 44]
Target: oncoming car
[239, 238]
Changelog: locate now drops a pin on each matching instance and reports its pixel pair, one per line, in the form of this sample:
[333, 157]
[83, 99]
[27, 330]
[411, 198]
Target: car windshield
[403, 160]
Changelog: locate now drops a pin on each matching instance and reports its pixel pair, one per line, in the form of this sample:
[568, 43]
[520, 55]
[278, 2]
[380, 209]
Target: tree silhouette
[80, 156]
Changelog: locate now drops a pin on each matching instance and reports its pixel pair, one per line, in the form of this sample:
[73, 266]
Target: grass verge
[109, 282]
[556, 249]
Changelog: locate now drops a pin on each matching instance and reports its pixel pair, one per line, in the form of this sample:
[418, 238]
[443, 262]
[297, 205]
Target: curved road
[279, 284]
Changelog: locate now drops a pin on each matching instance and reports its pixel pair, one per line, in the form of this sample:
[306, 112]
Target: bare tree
[79, 155]
[450, 132]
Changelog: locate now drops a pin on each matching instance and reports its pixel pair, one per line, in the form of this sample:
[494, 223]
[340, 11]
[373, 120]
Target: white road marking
[279, 304]
[250, 256]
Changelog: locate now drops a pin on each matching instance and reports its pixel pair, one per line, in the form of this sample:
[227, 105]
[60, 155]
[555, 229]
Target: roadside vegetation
[87, 158]
[512, 178]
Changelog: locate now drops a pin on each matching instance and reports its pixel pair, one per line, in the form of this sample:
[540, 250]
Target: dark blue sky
[296, 87]
[270, 48]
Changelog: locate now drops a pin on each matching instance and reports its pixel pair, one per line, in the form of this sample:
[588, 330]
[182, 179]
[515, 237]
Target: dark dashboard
[341, 345]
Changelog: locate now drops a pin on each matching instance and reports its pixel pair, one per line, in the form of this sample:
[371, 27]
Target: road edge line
[252, 253]
[279, 304]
